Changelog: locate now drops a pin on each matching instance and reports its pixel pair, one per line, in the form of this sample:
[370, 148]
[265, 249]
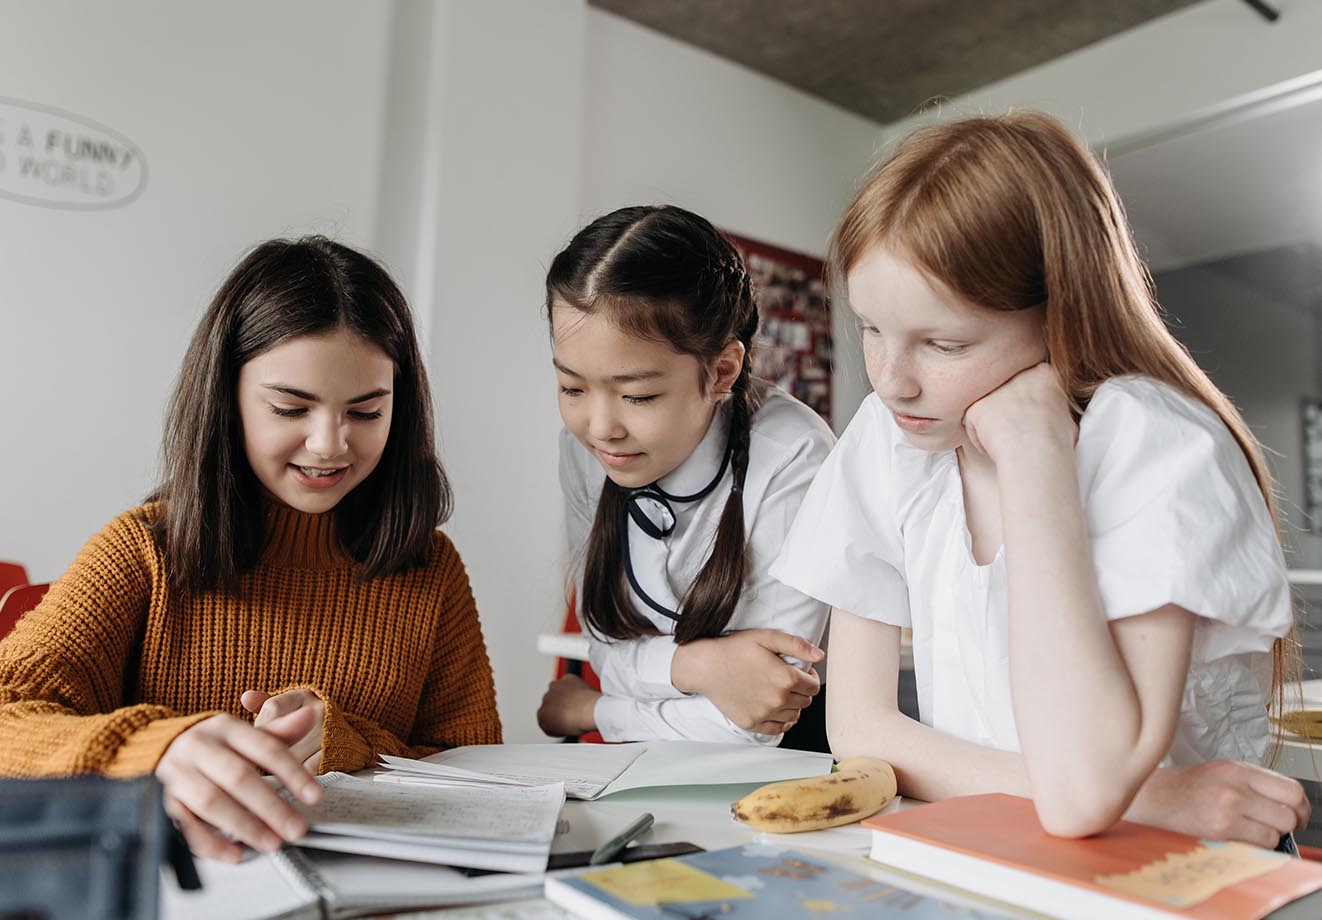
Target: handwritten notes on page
[506, 828]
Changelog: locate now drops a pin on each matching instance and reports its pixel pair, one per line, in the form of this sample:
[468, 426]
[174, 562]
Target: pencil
[611, 848]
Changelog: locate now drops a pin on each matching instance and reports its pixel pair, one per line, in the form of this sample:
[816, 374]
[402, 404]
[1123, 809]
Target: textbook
[295, 884]
[501, 828]
[994, 846]
[591, 771]
[755, 881]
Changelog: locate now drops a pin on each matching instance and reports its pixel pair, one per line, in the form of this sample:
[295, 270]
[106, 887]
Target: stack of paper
[499, 827]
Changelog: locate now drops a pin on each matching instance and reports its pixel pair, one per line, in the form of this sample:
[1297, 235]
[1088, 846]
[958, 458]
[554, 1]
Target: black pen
[611, 848]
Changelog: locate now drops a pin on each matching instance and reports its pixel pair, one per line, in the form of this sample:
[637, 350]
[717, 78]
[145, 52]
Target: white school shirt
[1174, 516]
[787, 444]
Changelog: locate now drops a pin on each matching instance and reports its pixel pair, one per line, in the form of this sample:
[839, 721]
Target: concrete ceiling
[883, 59]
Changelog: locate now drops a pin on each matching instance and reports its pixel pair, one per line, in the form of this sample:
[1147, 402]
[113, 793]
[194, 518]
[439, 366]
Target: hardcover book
[994, 846]
[756, 881]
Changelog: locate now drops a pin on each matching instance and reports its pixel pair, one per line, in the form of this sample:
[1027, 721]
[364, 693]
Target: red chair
[11, 576]
[582, 669]
[17, 601]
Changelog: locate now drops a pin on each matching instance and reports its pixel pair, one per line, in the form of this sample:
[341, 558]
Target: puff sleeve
[1176, 517]
[845, 547]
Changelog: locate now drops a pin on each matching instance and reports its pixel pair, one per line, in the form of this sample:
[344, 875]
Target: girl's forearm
[929, 764]
[1087, 746]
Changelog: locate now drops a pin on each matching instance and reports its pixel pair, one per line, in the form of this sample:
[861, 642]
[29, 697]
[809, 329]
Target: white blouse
[1174, 514]
[787, 444]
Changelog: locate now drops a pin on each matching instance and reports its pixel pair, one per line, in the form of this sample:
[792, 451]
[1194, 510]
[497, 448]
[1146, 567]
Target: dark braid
[715, 592]
[605, 602]
[668, 275]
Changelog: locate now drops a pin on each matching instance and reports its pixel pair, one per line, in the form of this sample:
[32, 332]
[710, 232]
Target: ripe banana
[856, 788]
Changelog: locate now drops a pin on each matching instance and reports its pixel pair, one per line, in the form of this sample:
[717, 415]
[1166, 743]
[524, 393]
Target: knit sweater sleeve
[458, 703]
[62, 668]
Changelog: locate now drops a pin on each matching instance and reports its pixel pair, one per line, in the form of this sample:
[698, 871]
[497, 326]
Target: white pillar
[480, 187]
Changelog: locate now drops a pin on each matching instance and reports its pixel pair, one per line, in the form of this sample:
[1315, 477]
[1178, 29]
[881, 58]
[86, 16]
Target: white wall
[483, 182]
[464, 141]
[256, 120]
[1164, 72]
[1252, 324]
[667, 122]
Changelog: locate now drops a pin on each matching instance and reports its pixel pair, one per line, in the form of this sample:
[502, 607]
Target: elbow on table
[1076, 812]
[1087, 793]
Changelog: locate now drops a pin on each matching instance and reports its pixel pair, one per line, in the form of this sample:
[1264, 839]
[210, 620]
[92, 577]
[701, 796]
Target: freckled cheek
[873, 369]
[873, 363]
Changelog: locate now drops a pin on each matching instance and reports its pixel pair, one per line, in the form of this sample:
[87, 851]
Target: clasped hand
[568, 708]
[746, 677]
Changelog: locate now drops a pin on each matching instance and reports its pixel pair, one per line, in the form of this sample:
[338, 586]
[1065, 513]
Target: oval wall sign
[57, 159]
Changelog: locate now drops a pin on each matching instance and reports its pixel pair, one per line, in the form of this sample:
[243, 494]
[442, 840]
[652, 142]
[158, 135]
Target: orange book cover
[1169, 873]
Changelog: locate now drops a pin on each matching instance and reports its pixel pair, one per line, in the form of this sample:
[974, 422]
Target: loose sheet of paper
[590, 771]
[585, 769]
[705, 763]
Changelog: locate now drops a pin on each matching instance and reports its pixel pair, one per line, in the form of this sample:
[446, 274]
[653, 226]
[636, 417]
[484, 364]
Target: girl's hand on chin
[1028, 412]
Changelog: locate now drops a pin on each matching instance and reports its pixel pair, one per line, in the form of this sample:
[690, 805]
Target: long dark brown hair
[211, 520]
[1012, 212]
[666, 275]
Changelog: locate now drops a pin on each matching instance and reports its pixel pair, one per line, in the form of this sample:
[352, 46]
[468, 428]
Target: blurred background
[145, 145]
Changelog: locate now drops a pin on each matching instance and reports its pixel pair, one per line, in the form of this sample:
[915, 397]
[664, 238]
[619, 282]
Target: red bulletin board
[793, 345]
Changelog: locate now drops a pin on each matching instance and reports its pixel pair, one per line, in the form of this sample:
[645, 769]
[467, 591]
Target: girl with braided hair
[681, 476]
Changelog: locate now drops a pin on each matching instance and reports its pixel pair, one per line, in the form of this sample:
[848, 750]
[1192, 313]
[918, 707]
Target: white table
[574, 646]
[699, 815]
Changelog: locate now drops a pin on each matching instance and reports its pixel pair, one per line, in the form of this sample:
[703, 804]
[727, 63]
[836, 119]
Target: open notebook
[592, 771]
[296, 884]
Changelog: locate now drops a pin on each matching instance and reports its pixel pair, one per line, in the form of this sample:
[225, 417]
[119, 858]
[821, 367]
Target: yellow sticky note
[663, 881]
[1186, 879]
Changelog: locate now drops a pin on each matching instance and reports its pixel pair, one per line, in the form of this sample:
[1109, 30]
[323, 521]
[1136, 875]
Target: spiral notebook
[296, 884]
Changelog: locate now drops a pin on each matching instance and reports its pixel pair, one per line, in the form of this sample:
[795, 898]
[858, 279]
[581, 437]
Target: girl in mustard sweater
[284, 603]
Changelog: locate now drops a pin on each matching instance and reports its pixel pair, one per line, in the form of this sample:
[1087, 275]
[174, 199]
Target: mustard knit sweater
[112, 665]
